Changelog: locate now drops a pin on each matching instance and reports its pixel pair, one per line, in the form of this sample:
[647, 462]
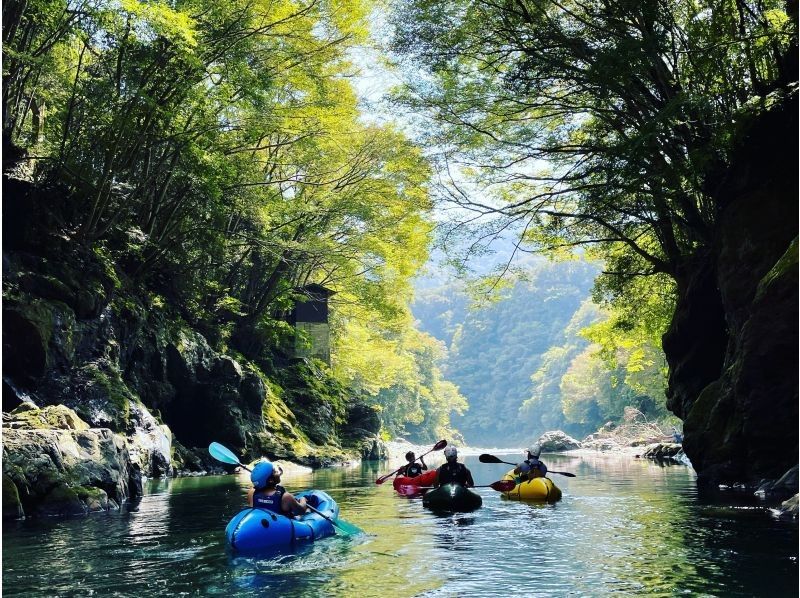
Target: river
[623, 527]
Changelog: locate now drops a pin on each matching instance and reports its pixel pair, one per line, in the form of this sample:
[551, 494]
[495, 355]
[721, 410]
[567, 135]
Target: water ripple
[623, 528]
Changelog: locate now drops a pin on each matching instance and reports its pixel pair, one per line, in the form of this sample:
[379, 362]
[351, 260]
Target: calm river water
[624, 527]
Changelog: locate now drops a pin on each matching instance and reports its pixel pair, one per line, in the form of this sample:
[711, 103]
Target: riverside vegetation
[172, 175]
[175, 173]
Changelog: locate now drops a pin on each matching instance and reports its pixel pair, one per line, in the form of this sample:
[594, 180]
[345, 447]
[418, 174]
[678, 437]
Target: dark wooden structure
[310, 316]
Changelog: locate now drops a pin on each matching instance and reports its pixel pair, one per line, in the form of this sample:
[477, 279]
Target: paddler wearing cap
[267, 493]
[531, 467]
[453, 472]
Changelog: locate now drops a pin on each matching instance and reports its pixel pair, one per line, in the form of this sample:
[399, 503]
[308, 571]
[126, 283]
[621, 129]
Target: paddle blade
[503, 486]
[343, 528]
[439, 445]
[564, 473]
[220, 453]
[485, 458]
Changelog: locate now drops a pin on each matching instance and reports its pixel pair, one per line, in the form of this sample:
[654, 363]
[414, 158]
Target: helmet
[535, 449]
[410, 456]
[261, 473]
[450, 453]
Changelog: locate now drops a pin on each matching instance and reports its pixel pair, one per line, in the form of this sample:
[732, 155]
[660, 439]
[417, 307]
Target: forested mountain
[495, 348]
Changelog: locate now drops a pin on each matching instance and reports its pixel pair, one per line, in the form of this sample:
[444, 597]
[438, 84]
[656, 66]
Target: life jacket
[413, 470]
[537, 468]
[453, 473]
[271, 502]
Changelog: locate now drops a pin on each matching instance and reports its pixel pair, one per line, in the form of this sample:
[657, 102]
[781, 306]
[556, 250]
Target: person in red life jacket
[531, 467]
[413, 469]
[267, 493]
[453, 472]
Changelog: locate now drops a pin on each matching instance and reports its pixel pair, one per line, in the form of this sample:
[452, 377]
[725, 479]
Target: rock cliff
[141, 381]
[733, 343]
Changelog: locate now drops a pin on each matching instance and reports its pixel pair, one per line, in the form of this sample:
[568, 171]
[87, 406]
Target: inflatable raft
[452, 497]
[536, 489]
[253, 530]
[411, 486]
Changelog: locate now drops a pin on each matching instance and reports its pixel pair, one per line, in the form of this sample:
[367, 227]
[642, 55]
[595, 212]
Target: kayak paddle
[484, 458]
[501, 486]
[223, 454]
[347, 529]
[436, 447]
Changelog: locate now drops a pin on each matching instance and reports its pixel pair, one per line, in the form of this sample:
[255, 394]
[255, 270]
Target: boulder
[664, 451]
[373, 449]
[784, 487]
[362, 420]
[66, 471]
[556, 440]
[29, 417]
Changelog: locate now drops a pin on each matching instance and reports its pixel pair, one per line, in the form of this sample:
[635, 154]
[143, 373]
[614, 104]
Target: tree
[605, 124]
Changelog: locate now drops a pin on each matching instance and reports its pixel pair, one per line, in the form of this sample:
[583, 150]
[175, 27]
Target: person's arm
[421, 460]
[470, 481]
[519, 469]
[250, 494]
[290, 504]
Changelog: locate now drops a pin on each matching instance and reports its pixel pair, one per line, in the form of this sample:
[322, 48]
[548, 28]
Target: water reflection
[623, 527]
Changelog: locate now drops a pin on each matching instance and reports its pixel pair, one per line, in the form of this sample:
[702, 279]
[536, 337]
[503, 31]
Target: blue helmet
[261, 473]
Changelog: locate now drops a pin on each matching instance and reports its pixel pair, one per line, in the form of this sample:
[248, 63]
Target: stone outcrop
[66, 469]
[732, 346]
[664, 451]
[788, 509]
[556, 440]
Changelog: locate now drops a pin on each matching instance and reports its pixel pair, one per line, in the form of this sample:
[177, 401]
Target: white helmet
[535, 449]
[450, 453]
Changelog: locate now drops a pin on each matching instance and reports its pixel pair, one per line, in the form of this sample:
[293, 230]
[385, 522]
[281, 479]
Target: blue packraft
[254, 529]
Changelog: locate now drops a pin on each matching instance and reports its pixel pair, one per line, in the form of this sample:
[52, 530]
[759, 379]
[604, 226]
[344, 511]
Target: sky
[373, 82]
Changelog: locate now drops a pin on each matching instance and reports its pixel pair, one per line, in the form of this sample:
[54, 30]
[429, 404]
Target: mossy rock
[785, 266]
[46, 287]
[27, 330]
[52, 416]
[106, 393]
[61, 500]
[94, 499]
[317, 400]
[12, 507]
[712, 427]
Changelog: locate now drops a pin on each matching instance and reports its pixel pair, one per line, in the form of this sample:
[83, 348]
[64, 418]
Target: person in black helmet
[453, 472]
[413, 469]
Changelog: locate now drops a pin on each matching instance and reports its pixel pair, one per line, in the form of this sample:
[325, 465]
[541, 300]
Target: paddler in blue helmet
[267, 493]
[531, 467]
[453, 472]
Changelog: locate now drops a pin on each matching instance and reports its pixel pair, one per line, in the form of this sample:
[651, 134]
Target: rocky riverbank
[54, 463]
[106, 380]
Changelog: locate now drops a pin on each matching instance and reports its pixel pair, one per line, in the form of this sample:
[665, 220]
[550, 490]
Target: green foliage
[581, 386]
[606, 126]
[398, 368]
[214, 152]
[496, 346]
